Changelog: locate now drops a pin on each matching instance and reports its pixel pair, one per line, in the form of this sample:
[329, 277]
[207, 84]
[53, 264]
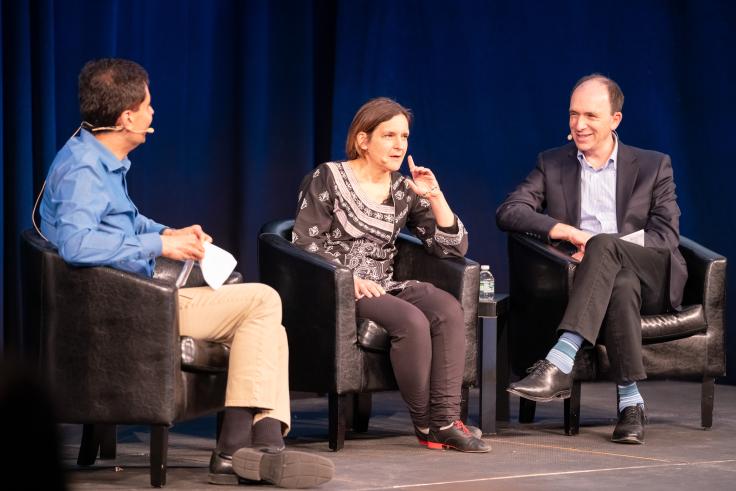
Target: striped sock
[562, 355]
[628, 395]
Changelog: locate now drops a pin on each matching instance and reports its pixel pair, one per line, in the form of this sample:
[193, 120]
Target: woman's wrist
[431, 192]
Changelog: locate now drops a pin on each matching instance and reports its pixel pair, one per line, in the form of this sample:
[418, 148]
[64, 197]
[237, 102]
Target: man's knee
[269, 297]
[599, 244]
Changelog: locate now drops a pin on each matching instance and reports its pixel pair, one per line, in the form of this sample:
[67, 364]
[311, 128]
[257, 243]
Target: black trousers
[615, 283]
[427, 349]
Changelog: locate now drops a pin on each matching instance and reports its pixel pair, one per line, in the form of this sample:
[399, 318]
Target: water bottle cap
[485, 267]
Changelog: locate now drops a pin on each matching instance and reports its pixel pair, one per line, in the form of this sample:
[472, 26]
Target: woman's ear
[362, 140]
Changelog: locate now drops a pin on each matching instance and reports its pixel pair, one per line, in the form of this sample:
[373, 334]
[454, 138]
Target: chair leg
[706, 402]
[572, 409]
[347, 407]
[337, 420]
[89, 446]
[108, 438]
[159, 451]
[526, 410]
[464, 398]
[362, 404]
[220, 419]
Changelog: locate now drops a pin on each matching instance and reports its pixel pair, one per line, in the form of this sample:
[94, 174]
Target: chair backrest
[106, 341]
[279, 227]
[38, 258]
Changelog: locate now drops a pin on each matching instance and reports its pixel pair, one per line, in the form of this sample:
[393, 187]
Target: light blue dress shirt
[598, 195]
[87, 214]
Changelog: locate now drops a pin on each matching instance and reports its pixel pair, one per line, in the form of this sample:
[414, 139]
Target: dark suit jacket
[645, 199]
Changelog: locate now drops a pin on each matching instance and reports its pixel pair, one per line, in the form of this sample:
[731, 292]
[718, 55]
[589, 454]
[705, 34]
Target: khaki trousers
[246, 317]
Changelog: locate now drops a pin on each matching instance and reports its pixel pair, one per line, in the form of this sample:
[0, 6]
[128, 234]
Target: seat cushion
[674, 325]
[203, 356]
[372, 336]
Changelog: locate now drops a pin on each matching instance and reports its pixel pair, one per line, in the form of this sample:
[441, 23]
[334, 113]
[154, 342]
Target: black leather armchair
[108, 345]
[333, 352]
[688, 344]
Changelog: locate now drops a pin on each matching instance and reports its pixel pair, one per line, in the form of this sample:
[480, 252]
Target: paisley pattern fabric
[338, 221]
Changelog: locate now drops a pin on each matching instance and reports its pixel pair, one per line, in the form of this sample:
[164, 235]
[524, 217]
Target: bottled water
[487, 284]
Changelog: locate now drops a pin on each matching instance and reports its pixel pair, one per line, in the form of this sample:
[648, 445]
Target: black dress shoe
[630, 426]
[457, 437]
[545, 382]
[284, 468]
[221, 469]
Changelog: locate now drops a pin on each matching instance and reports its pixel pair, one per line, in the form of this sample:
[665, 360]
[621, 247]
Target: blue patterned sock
[628, 395]
[562, 355]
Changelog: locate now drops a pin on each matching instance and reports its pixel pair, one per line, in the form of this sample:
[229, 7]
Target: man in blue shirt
[592, 192]
[87, 214]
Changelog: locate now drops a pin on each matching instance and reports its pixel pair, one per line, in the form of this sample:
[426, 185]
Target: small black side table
[493, 339]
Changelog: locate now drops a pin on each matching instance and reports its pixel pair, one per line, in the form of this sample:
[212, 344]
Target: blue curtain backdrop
[250, 95]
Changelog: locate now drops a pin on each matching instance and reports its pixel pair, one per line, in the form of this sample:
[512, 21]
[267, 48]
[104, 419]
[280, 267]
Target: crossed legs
[247, 317]
[614, 284]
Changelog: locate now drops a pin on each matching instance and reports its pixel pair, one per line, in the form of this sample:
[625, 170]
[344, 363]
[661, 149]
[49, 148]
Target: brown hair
[370, 115]
[615, 95]
[109, 86]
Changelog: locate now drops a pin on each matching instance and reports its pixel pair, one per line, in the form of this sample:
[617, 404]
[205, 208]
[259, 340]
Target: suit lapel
[570, 176]
[626, 173]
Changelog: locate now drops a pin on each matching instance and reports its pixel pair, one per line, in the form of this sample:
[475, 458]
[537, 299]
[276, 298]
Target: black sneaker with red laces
[424, 437]
[456, 437]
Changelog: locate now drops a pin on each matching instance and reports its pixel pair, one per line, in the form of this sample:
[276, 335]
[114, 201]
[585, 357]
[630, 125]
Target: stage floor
[678, 454]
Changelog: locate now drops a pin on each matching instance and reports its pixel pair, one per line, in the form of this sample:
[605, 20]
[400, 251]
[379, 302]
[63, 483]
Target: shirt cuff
[449, 238]
[452, 229]
[151, 244]
[157, 228]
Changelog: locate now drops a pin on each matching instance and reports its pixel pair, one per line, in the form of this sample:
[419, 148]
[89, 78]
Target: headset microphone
[140, 132]
[94, 129]
[569, 137]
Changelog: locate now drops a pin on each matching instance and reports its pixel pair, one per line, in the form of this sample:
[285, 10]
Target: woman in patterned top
[351, 212]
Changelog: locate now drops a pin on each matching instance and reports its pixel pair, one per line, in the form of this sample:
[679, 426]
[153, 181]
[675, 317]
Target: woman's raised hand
[423, 181]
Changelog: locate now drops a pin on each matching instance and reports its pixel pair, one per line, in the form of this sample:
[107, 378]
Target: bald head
[615, 95]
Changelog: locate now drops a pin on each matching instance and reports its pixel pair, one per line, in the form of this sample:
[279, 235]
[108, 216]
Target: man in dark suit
[617, 205]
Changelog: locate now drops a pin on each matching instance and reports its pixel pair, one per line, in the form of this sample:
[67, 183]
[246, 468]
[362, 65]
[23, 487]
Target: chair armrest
[110, 337]
[318, 300]
[706, 284]
[168, 270]
[539, 270]
[540, 281]
[457, 276]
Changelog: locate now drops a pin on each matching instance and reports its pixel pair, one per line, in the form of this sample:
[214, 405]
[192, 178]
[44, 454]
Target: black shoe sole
[445, 446]
[223, 479]
[565, 394]
[630, 440]
[288, 469]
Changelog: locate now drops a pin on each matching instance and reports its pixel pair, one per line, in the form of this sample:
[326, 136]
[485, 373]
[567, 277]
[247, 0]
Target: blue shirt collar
[110, 161]
[612, 159]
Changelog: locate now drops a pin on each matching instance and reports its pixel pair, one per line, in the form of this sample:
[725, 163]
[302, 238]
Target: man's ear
[617, 117]
[123, 118]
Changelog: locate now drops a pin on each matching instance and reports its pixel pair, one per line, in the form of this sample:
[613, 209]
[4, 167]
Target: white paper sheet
[216, 265]
[635, 237]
